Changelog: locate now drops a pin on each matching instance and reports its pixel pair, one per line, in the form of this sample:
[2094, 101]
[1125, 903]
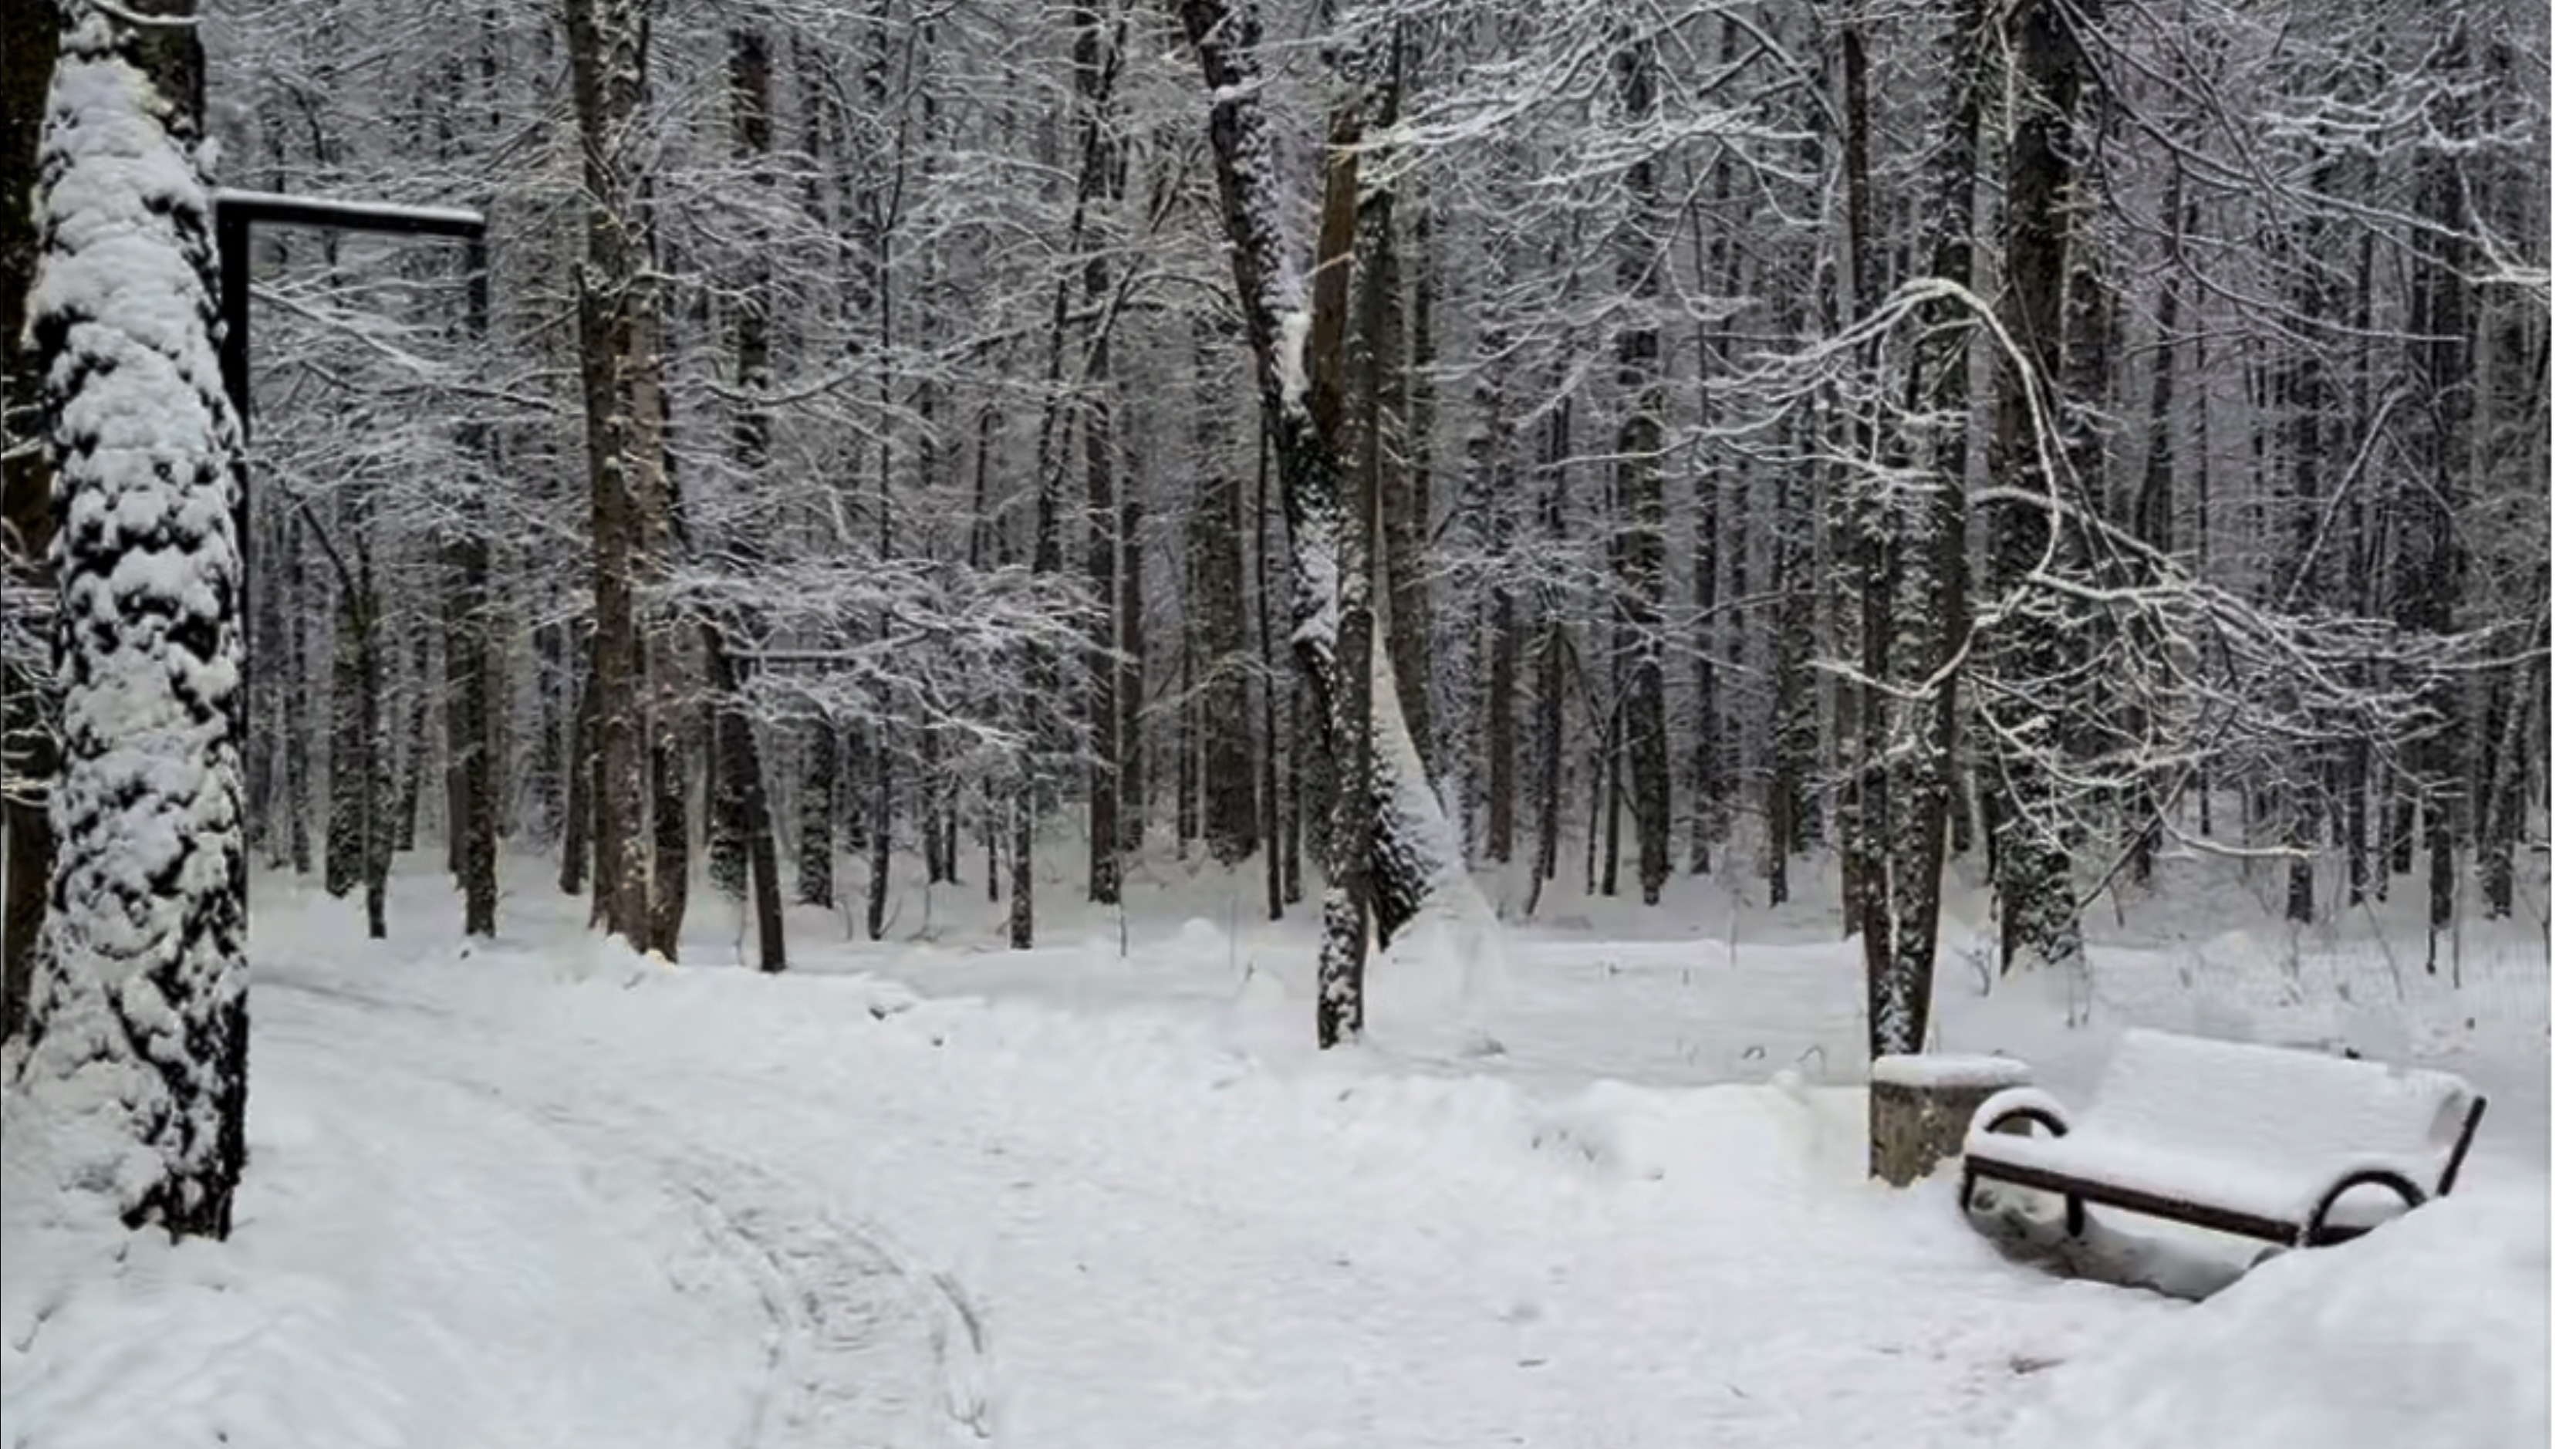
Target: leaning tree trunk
[1411, 848]
[140, 1021]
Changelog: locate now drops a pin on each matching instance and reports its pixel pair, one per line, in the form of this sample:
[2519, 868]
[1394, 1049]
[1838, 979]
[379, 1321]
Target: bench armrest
[2028, 1104]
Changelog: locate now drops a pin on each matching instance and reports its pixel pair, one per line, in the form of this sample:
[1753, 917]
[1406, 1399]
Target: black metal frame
[236, 212]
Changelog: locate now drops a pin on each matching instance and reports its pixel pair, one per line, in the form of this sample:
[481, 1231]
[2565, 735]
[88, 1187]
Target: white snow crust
[1934, 1070]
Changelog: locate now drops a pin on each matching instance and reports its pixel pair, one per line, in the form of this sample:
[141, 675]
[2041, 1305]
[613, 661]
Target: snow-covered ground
[1595, 1180]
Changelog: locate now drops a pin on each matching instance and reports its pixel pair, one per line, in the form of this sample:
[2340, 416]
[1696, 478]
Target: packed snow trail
[858, 1347]
[1118, 1234]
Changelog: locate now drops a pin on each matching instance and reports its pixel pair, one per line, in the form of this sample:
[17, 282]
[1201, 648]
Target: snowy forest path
[1169, 1241]
[857, 1344]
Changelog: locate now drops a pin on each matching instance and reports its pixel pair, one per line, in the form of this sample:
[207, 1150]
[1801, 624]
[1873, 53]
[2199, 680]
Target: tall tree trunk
[1787, 812]
[1498, 481]
[1095, 66]
[1410, 596]
[1133, 761]
[1360, 217]
[581, 774]
[2154, 520]
[298, 728]
[618, 298]
[1278, 813]
[2034, 888]
[2440, 331]
[1232, 823]
[473, 693]
[1871, 531]
[1928, 620]
[1550, 744]
[1638, 640]
[139, 1021]
[30, 34]
[815, 816]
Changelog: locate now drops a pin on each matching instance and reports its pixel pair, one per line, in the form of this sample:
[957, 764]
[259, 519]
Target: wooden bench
[2293, 1147]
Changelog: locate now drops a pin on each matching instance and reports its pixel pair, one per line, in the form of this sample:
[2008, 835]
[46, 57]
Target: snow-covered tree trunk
[140, 1016]
[1412, 849]
[30, 34]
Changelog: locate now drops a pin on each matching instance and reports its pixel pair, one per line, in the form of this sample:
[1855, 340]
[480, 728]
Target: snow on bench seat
[2253, 1132]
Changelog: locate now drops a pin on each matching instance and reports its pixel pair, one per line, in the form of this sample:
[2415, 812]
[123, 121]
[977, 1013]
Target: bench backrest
[2281, 1107]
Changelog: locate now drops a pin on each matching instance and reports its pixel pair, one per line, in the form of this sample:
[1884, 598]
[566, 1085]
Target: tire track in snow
[867, 1346]
[847, 1311]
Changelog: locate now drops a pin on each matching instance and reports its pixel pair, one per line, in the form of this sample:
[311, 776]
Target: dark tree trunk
[1496, 479]
[617, 303]
[546, 772]
[30, 32]
[1364, 220]
[580, 774]
[1278, 823]
[1638, 640]
[1224, 688]
[1928, 620]
[298, 726]
[1133, 760]
[474, 790]
[2439, 359]
[1550, 762]
[2034, 888]
[2154, 522]
[1408, 517]
[815, 816]
[1787, 812]
[1095, 65]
